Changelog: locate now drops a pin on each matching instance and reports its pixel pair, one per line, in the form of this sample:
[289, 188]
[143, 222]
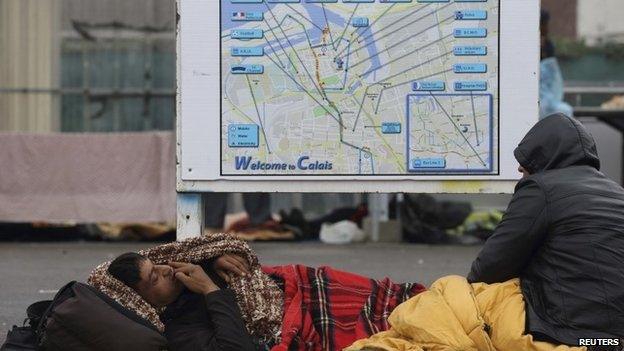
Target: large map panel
[359, 87]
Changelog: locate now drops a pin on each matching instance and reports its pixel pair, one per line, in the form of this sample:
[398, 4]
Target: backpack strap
[60, 296]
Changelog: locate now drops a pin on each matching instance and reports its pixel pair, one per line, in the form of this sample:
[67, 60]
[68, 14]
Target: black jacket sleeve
[215, 326]
[230, 332]
[520, 232]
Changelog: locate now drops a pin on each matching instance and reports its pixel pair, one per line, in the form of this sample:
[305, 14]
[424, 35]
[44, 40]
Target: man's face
[158, 284]
[524, 172]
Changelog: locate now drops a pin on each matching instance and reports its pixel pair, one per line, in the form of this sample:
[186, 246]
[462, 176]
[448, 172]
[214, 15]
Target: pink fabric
[116, 177]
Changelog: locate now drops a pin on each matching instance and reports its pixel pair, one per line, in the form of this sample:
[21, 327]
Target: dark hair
[544, 17]
[127, 268]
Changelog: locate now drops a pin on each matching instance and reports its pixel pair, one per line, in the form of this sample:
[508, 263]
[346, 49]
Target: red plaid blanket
[327, 309]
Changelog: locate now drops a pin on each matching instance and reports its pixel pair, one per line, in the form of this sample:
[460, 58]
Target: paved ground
[32, 272]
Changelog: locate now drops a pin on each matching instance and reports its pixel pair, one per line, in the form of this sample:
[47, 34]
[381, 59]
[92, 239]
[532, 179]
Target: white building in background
[600, 20]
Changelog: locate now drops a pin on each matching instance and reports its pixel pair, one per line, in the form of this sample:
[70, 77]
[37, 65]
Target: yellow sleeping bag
[456, 315]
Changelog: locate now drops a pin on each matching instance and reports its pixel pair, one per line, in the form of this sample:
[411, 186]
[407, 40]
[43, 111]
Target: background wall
[87, 65]
[29, 65]
[594, 21]
[563, 13]
[600, 20]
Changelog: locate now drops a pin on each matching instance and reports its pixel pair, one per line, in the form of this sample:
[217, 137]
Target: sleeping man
[198, 313]
[227, 301]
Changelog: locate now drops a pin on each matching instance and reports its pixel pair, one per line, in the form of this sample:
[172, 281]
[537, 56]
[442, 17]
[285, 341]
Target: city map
[359, 87]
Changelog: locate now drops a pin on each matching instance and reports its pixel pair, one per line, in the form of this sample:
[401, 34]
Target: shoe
[239, 226]
[296, 220]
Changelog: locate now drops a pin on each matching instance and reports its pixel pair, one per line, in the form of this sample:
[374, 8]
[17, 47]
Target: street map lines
[359, 87]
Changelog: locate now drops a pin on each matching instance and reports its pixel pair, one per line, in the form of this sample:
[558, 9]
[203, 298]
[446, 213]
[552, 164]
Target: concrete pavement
[34, 271]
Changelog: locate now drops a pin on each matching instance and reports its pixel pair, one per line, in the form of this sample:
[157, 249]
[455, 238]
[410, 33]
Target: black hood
[557, 142]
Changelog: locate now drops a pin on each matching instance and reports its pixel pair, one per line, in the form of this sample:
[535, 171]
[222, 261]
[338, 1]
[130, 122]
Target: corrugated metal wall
[34, 36]
[139, 13]
[118, 65]
[29, 65]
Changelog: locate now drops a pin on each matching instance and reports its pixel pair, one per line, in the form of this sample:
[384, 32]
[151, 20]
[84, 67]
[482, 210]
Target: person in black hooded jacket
[563, 236]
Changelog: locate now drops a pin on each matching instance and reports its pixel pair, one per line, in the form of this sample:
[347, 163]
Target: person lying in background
[563, 235]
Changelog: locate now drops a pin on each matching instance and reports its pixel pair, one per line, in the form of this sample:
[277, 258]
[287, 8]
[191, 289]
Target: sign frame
[519, 50]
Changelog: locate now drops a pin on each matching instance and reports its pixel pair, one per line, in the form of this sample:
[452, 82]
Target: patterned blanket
[327, 309]
[258, 297]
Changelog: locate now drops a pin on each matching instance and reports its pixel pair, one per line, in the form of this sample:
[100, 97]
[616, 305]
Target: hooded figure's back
[563, 235]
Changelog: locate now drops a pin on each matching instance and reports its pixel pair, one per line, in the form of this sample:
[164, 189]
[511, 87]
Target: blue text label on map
[470, 32]
[471, 85]
[468, 15]
[247, 69]
[470, 50]
[243, 135]
[247, 51]
[428, 163]
[359, 22]
[246, 1]
[429, 85]
[247, 33]
[391, 128]
[247, 16]
[470, 68]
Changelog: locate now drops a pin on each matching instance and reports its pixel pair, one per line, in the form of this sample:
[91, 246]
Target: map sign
[359, 87]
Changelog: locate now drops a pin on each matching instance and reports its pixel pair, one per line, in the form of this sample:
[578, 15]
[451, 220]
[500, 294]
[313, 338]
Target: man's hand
[194, 278]
[230, 264]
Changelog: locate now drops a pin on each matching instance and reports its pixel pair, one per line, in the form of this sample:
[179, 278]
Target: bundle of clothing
[457, 315]
[426, 220]
[259, 298]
